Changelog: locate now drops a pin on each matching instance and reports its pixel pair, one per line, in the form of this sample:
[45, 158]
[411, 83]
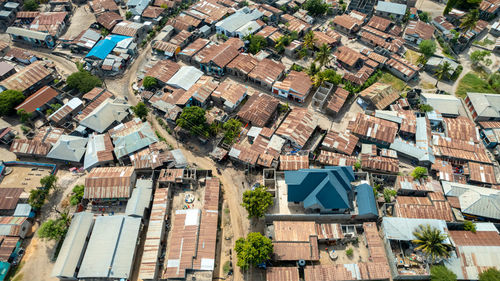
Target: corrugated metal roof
[298, 126]
[109, 182]
[27, 77]
[9, 198]
[402, 228]
[258, 109]
[132, 136]
[68, 148]
[140, 199]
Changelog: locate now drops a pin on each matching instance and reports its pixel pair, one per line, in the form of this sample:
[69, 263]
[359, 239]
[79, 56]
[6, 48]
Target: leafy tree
[55, 229]
[193, 119]
[233, 129]
[257, 43]
[479, 56]
[140, 110]
[31, 5]
[441, 273]
[312, 70]
[48, 182]
[77, 194]
[324, 55]
[419, 172]
[316, 7]
[425, 108]
[494, 81]
[309, 40]
[424, 16]
[296, 67]
[257, 201]
[388, 194]
[37, 198]
[55, 106]
[357, 165]
[9, 100]
[23, 115]
[104, 32]
[443, 72]
[149, 82]
[427, 47]
[253, 250]
[349, 252]
[470, 20]
[83, 81]
[128, 15]
[492, 274]
[431, 242]
[470, 226]
[328, 75]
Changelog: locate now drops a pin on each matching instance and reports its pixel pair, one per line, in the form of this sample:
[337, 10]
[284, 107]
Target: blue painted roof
[102, 49]
[326, 188]
[365, 200]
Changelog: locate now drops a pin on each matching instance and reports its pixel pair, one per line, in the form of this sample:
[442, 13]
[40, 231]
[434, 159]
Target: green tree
[328, 75]
[324, 55]
[388, 194]
[48, 182]
[257, 201]
[431, 242]
[309, 40]
[253, 250]
[479, 56]
[83, 81]
[441, 273]
[23, 115]
[193, 119]
[491, 274]
[30, 5]
[349, 252]
[9, 100]
[312, 70]
[128, 15]
[77, 195]
[55, 229]
[425, 108]
[424, 16]
[37, 198]
[419, 172]
[140, 110]
[233, 129]
[316, 7]
[104, 32]
[443, 72]
[470, 20]
[149, 82]
[427, 47]
[257, 43]
[470, 226]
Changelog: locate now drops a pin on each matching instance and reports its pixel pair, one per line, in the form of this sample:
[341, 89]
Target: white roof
[22, 210]
[393, 8]
[141, 196]
[475, 200]
[185, 77]
[254, 131]
[68, 148]
[95, 145]
[107, 113]
[402, 229]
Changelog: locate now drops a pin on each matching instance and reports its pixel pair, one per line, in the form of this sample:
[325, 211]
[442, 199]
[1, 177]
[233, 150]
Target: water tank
[302, 263]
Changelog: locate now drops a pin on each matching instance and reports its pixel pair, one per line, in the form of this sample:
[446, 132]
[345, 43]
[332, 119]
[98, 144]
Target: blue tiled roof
[102, 49]
[366, 200]
[321, 188]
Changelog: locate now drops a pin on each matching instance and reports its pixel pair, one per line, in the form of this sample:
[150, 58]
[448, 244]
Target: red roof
[38, 99]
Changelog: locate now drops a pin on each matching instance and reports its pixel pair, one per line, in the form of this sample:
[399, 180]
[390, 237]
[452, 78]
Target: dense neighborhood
[259, 140]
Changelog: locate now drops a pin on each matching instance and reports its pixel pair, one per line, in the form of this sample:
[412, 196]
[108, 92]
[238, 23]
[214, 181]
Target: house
[53, 23]
[348, 24]
[7, 17]
[199, 93]
[192, 49]
[483, 107]
[259, 109]
[130, 29]
[99, 151]
[84, 41]
[242, 65]
[182, 38]
[14, 226]
[230, 25]
[379, 23]
[39, 101]
[393, 11]
[32, 37]
[6, 70]
[448, 106]
[380, 95]
[108, 20]
[432, 206]
[136, 7]
[341, 142]
[266, 72]
[229, 94]
[20, 55]
[349, 58]
[102, 6]
[386, 43]
[296, 86]
[69, 149]
[330, 38]
[29, 79]
[293, 162]
[185, 78]
[219, 56]
[270, 33]
[106, 115]
[294, 24]
[433, 64]
[114, 183]
[489, 9]
[337, 101]
[297, 127]
[444, 26]
[60, 6]
[132, 136]
[373, 129]
[153, 14]
[10, 198]
[418, 31]
[365, 7]
[402, 68]
[166, 49]
[163, 71]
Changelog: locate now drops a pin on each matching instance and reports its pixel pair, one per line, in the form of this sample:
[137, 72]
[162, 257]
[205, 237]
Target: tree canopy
[140, 110]
[253, 250]
[37, 198]
[233, 129]
[492, 274]
[149, 82]
[431, 242]
[257, 201]
[23, 115]
[30, 5]
[470, 226]
[77, 195]
[425, 107]
[316, 7]
[441, 273]
[257, 43]
[479, 56]
[469, 21]
[9, 100]
[324, 55]
[443, 72]
[55, 229]
[427, 47]
[193, 119]
[83, 81]
[49, 181]
[419, 172]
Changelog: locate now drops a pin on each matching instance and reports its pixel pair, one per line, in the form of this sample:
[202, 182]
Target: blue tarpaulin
[102, 49]
[4, 269]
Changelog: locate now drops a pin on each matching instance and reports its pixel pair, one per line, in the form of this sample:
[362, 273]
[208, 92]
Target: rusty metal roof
[30, 147]
[379, 23]
[338, 99]
[298, 126]
[230, 91]
[368, 127]
[163, 70]
[243, 62]
[282, 274]
[380, 164]
[9, 198]
[293, 162]
[195, 47]
[109, 182]
[329, 37]
[343, 142]
[267, 71]
[27, 77]
[348, 56]
[423, 208]
[258, 109]
[100, 6]
[380, 95]
[335, 159]
[297, 82]
[38, 99]
[481, 173]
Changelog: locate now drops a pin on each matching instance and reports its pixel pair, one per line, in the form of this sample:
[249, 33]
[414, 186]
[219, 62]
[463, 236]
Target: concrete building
[483, 107]
[391, 10]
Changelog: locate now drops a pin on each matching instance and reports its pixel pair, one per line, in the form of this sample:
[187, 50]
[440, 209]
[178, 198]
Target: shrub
[349, 252]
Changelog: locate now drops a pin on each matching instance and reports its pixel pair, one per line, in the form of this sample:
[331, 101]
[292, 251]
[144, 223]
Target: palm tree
[318, 79]
[430, 241]
[324, 55]
[309, 40]
[470, 20]
[443, 71]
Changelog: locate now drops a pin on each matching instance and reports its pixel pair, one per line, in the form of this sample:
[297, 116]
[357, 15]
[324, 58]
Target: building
[132, 136]
[136, 7]
[29, 79]
[380, 95]
[349, 58]
[69, 149]
[242, 65]
[337, 101]
[231, 25]
[109, 113]
[298, 127]
[102, 6]
[130, 29]
[99, 151]
[67, 112]
[114, 183]
[266, 72]
[296, 86]
[365, 7]
[111, 249]
[108, 20]
[185, 78]
[73, 248]
[6, 70]
[32, 37]
[393, 11]
[259, 109]
[418, 31]
[9, 197]
[373, 129]
[348, 24]
[38, 102]
[219, 56]
[483, 107]
[448, 106]
[192, 49]
[342, 142]
[162, 71]
[14, 226]
[402, 68]
[229, 94]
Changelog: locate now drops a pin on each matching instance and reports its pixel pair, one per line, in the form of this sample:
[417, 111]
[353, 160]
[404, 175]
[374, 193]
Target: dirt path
[81, 20]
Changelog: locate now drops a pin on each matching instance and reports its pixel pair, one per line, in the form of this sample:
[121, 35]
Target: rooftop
[298, 126]
[109, 182]
[38, 99]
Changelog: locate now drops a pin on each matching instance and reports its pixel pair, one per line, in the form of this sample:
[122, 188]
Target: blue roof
[393, 8]
[365, 200]
[327, 188]
[102, 49]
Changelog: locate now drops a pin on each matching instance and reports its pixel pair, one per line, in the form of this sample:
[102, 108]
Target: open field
[25, 177]
[471, 82]
[397, 83]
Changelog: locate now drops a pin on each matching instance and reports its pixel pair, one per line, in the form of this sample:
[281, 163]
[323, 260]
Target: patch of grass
[485, 42]
[412, 56]
[427, 85]
[471, 82]
[395, 82]
[19, 277]
[226, 267]
[14, 271]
